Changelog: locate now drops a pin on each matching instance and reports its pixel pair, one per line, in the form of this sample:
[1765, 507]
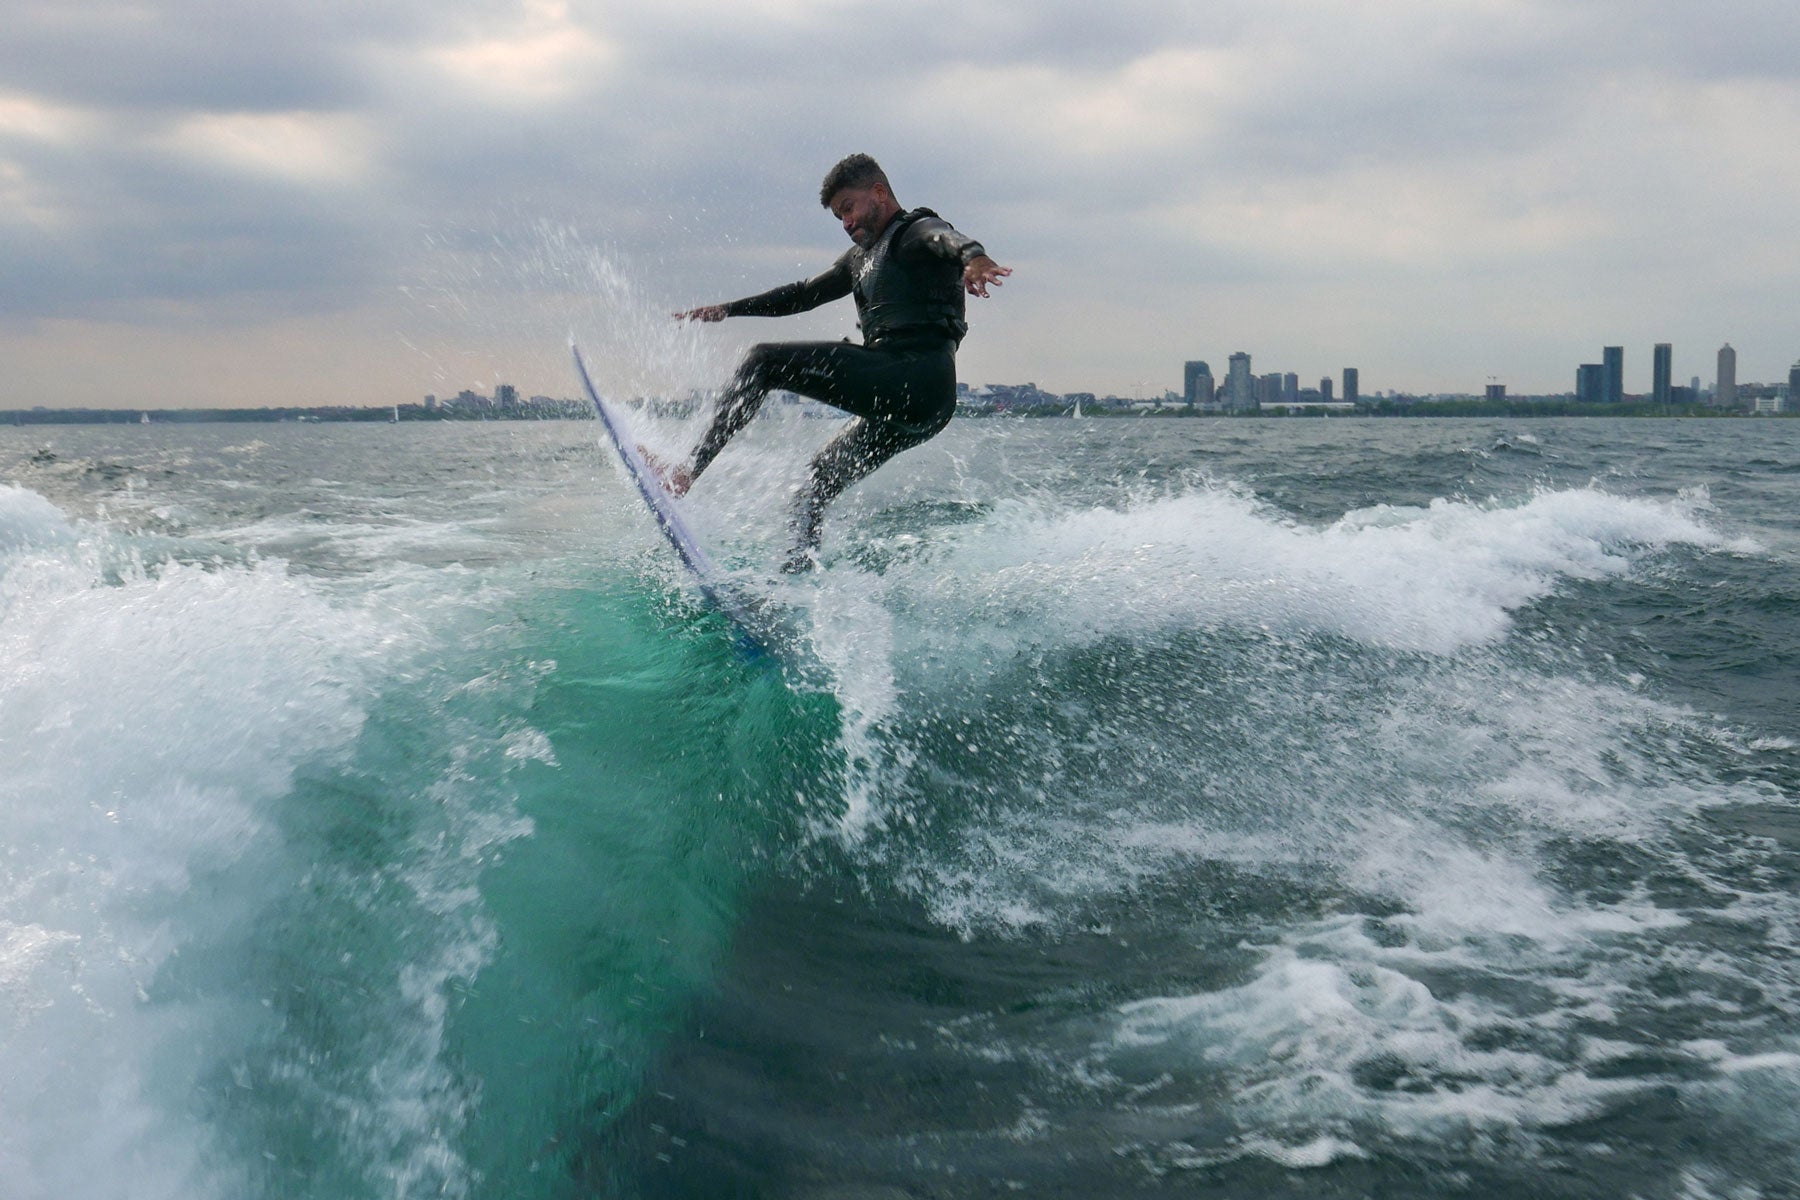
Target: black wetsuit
[900, 383]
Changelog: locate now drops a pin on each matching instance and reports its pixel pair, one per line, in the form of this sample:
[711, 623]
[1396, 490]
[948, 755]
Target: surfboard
[759, 630]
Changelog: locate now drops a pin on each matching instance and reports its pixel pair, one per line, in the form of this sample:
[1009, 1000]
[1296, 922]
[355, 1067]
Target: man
[908, 272]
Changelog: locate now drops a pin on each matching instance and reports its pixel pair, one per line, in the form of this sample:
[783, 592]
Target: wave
[1456, 861]
[1432, 579]
[414, 863]
[247, 814]
[148, 722]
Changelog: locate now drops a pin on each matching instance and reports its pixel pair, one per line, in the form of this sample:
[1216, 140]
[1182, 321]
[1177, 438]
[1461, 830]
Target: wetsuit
[900, 383]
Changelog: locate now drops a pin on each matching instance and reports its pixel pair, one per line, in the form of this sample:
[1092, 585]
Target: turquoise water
[1278, 808]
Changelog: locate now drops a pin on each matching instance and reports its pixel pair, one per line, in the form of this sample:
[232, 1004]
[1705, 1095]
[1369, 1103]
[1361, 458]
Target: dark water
[1239, 808]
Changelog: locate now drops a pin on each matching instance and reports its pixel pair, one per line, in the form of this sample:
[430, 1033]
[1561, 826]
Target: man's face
[864, 212]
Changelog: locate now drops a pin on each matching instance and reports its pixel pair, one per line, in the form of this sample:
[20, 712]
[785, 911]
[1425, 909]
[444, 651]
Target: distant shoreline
[1424, 409]
[574, 411]
[330, 414]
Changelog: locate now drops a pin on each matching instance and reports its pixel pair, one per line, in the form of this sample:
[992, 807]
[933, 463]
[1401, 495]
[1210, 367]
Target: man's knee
[758, 361]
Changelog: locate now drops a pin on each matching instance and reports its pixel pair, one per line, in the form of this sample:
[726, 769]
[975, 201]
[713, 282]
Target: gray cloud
[185, 54]
[1382, 181]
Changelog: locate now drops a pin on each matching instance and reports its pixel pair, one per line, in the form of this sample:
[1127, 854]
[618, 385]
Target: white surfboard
[759, 630]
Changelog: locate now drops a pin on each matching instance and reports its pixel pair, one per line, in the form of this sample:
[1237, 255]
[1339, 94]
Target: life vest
[914, 294]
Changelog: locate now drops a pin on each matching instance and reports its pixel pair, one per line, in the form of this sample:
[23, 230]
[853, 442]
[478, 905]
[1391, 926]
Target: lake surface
[1163, 807]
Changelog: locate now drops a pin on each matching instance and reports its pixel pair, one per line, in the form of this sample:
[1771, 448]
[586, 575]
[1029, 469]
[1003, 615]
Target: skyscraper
[1661, 359]
[1793, 399]
[1352, 385]
[1325, 388]
[1238, 386]
[1590, 383]
[1725, 393]
[1612, 359]
[1197, 383]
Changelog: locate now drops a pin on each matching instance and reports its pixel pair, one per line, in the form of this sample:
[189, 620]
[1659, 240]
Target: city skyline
[201, 204]
[1603, 382]
[1277, 391]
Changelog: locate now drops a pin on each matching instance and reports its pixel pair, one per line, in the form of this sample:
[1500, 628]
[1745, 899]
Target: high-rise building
[1660, 367]
[1794, 388]
[1725, 392]
[1197, 383]
[1496, 391]
[1290, 388]
[1590, 383]
[1325, 388]
[1612, 359]
[1352, 385]
[1239, 392]
[1268, 388]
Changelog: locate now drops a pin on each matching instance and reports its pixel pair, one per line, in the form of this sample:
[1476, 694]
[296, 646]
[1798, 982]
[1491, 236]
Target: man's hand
[980, 272]
[706, 312]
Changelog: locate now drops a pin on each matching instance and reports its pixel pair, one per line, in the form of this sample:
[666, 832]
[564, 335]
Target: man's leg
[901, 397]
[848, 457]
[809, 368]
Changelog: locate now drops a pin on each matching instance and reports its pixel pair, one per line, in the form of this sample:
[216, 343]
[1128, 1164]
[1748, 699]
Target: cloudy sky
[307, 201]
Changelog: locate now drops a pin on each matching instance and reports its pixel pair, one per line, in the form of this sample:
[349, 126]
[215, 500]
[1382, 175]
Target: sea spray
[147, 724]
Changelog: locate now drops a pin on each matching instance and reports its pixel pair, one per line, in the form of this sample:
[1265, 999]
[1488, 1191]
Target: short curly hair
[856, 171]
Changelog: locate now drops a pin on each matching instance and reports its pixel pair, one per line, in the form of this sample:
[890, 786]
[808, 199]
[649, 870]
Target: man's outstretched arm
[832, 284]
[934, 235]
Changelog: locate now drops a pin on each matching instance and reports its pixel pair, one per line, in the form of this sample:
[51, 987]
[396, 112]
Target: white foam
[145, 726]
[362, 541]
[1316, 1152]
[1436, 786]
[1782, 1061]
[1363, 731]
[1442, 798]
[1434, 579]
[853, 636]
[30, 522]
[1295, 1042]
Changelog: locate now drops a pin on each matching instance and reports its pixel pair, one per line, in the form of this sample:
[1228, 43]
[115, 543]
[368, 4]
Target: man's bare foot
[677, 480]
